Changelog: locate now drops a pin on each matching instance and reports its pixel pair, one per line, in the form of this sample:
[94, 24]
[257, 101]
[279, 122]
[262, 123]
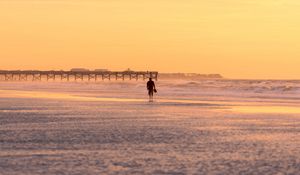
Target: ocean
[218, 126]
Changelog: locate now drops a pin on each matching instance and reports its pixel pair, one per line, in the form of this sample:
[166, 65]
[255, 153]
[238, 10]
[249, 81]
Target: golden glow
[60, 96]
[237, 38]
[267, 109]
[241, 107]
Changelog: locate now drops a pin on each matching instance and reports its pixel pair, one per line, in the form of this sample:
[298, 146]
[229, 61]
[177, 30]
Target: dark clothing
[150, 87]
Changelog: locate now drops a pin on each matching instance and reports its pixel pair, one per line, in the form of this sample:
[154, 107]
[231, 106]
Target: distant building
[79, 70]
[101, 70]
[129, 70]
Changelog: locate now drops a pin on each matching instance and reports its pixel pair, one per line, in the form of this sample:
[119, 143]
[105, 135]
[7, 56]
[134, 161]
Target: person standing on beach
[151, 89]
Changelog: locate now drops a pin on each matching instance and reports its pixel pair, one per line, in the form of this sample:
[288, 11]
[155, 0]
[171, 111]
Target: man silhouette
[151, 89]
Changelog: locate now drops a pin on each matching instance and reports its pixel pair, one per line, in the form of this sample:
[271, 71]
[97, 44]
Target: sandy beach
[111, 128]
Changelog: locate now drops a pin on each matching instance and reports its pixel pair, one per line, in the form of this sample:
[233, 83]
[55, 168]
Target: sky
[255, 39]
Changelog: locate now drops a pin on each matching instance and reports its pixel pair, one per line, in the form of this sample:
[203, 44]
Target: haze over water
[193, 127]
[239, 39]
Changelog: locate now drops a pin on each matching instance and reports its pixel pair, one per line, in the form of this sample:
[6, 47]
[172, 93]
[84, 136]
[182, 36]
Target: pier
[75, 75]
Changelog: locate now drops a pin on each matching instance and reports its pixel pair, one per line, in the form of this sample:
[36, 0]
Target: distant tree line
[189, 76]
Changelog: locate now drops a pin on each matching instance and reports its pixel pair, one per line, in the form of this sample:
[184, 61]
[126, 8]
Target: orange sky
[236, 38]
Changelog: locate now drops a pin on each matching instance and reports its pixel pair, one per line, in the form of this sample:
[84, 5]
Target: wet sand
[80, 134]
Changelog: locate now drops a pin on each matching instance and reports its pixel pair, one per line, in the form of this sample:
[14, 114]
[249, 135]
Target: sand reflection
[240, 107]
[81, 97]
[267, 109]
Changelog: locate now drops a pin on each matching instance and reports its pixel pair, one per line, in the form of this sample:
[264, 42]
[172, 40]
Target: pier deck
[75, 75]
